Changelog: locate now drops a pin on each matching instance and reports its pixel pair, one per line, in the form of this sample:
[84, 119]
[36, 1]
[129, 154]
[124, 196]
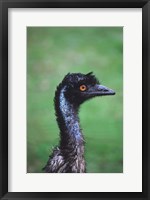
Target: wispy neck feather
[68, 121]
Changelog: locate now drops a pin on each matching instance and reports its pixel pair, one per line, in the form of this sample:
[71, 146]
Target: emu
[75, 88]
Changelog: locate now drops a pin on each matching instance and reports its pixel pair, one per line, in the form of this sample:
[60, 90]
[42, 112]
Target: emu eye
[83, 88]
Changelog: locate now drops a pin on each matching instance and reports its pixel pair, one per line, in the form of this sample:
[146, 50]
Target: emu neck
[68, 122]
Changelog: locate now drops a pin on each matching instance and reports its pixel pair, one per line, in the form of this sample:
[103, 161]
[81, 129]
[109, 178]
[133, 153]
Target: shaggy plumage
[75, 88]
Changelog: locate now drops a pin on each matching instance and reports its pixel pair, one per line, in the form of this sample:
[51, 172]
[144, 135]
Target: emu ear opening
[89, 74]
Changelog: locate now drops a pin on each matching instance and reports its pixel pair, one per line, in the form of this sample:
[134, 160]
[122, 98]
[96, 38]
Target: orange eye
[83, 88]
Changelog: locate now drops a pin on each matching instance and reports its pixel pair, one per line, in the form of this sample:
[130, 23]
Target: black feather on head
[72, 79]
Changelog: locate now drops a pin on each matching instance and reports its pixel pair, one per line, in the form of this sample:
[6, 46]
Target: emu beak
[101, 90]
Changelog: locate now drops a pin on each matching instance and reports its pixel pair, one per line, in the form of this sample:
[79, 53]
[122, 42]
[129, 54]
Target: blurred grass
[52, 52]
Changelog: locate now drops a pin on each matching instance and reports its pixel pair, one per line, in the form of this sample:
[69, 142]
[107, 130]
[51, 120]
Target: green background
[52, 52]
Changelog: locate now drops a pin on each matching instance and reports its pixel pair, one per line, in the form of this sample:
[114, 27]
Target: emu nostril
[105, 90]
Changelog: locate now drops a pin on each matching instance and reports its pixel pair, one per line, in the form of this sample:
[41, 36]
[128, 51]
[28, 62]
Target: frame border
[4, 6]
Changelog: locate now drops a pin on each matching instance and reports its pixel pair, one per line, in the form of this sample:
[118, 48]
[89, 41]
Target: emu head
[81, 87]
